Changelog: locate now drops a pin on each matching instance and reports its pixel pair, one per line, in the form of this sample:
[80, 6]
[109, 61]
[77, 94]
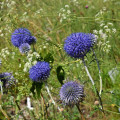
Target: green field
[51, 22]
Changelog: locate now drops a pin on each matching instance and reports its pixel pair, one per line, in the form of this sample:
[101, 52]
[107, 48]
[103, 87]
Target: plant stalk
[82, 116]
[50, 95]
[93, 83]
[99, 72]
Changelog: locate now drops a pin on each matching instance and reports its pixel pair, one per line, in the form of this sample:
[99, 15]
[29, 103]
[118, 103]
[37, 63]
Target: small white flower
[102, 24]
[59, 14]
[13, 2]
[110, 24]
[95, 31]
[106, 27]
[68, 11]
[44, 47]
[34, 62]
[13, 57]
[61, 20]
[4, 56]
[103, 36]
[16, 73]
[100, 31]
[13, 53]
[64, 17]
[109, 46]
[30, 59]
[2, 35]
[107, 30]
[67, 6]
[19, 65]
[25, 70]
[24, 13]
[114, 30]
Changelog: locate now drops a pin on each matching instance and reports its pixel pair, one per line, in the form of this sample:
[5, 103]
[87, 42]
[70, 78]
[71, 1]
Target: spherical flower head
[40, 71]
[77, 45]
[24, 48]
[71, 93]
[22, 35]
[7, 79]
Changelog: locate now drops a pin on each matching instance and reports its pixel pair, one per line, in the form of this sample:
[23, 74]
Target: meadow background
[51, 21]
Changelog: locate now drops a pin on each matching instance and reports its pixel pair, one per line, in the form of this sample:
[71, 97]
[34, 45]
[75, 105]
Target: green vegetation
[51, 21]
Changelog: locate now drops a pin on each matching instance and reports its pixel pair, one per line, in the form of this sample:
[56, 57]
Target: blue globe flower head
[7, 79]
[40, 72]
[71, 93]
[24, 48]
[77, 45]
[22, 35]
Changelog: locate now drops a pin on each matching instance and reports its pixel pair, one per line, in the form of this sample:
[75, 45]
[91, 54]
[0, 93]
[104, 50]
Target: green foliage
[60, 74]
[51, 25]
[36, 86]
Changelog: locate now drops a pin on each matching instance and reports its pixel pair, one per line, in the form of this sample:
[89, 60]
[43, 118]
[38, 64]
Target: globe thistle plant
[71, 93]
[22, 35]
[24, 48]
[7, 79]
[77, 45]
[40, 71]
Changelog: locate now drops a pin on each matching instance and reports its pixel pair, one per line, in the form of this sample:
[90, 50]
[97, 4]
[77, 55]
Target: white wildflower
[19, 65]
[102, 24]
[107, 30]
[111, 24]
[103, 36]
[34, 62]
[100, 31]
[106, 27]
[68, 11]
[67, 6]
[114, 30]
[95, 31]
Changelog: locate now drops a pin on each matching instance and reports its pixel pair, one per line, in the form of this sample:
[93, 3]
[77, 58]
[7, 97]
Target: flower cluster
[7, 79]
[71, 93]
[22, 35]
[31, 57]
[4, 52]
[40, 72]
[105, 31]
[64, 13]
[75, 2]
[78, 45]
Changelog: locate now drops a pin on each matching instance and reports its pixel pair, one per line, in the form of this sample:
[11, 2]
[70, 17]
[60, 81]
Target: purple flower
[24, 48]
[22, 35]
[7, 79]
[77, 45]
[71, 93]
[86, 6]
[40, 72]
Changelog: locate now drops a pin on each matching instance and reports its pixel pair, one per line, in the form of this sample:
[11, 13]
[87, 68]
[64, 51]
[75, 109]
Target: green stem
[82, 116]
[93, 84]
